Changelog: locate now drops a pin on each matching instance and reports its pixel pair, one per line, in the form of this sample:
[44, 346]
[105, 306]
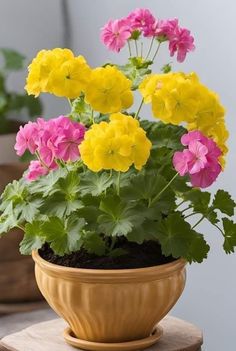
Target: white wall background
[29, 25]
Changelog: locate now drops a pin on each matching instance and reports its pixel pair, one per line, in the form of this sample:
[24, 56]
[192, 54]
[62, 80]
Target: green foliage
[119, 216]
[11, 101]
[224, 202]
[229, 235]
[73, 208]
[136, 70]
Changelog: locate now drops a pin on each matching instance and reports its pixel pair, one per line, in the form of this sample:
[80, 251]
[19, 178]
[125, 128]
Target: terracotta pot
[111, 306]
[17, 281]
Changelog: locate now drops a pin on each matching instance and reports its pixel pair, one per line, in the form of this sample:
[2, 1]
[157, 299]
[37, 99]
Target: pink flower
[58, 138]
[70, 135]
[25, 139]
[115, 34]
[35, 170]
[143, 21]
[200, 160]
[167, 28]
[181, 42]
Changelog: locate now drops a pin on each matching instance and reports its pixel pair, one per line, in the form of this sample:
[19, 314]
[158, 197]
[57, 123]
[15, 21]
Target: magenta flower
[200, 160]
[25, 139]
[182, 42]
[167, 28]
[70, 135]
[115, 34]
[58, 138]
[142, 20]
[35, 170]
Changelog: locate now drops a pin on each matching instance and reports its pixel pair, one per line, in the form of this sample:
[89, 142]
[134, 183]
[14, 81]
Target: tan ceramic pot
[111, 305]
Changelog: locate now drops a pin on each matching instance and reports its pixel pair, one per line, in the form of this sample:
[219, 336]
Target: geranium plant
[103, 173]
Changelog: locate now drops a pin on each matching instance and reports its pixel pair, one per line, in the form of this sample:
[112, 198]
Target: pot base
[121, 346]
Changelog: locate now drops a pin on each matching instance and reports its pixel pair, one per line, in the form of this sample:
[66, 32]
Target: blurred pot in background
[17, 283]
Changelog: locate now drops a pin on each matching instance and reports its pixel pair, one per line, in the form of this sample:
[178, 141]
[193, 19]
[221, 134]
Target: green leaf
[94, 183]
[15, 192]
[199, 199]
[119, 218]
[229, 235]
[64, 237]
[179, 240]
[60, 205]
[164, 135]
[47, 185]
[198, 249]
[224, 202]
[33, 238]
[7, 223]
[93, 243]
[174, 235]
[13, 60]
[29, 210]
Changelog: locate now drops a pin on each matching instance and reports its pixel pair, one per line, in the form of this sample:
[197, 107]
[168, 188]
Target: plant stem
[20, 227]
[181, 203]
[92, 117]
[70, 103]
[40, 160]
[150, 48]
[162, 191]
[136, 47]
[200, 220]
[139, 109]
[142, 49]
[190, 215]
[186, 209]
[129, 47]
[156, 52]
[215, 225]
[118, 184]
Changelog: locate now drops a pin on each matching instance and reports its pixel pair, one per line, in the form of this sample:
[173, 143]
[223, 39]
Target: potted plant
[13, 106]
[105, 204]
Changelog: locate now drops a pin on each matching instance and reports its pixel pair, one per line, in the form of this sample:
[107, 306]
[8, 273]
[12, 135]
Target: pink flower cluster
[55, 139]
[200, 159]
[116, 33]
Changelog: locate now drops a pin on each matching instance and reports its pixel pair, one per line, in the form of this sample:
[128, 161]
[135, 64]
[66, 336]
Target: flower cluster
[57, 72]
[200, 159]
[109, 90]
[52, 140]
[179, 97]
[116, 33]
[115, 145]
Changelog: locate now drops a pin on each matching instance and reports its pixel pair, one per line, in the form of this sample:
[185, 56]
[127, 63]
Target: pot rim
[110, 275]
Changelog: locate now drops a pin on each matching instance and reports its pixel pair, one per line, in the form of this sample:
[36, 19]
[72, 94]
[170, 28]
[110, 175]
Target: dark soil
[138, 256]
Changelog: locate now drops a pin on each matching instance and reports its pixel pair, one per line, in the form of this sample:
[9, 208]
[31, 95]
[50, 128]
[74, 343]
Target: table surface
[24, 333]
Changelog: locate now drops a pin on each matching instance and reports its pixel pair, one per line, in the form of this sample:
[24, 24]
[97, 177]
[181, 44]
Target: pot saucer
[122, 346]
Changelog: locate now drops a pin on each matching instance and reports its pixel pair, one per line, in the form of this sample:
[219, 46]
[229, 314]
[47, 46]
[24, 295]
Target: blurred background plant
[13, 104]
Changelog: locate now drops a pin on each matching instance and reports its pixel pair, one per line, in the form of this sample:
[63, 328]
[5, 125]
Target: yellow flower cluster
[115, 145]
[108, 91]
[57, 72]
[179, 97]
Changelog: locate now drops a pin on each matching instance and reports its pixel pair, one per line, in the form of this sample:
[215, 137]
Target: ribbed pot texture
[111, 305]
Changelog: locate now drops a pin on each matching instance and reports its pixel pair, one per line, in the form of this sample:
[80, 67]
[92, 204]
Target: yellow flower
[109, 90]
[177, 98]
[116, 145]
[70, 79]
[57, 72]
